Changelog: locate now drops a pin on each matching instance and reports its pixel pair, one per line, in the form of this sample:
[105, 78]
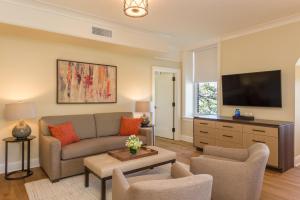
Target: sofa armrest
[119, 185]
[230, 153]
[50, 156]
[148, 132]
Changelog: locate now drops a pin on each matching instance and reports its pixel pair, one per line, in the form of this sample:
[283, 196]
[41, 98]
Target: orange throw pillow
[130, 126]
[65, 133]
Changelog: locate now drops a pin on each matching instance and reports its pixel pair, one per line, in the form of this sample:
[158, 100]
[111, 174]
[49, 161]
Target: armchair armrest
[178, 171]
[148, 132]
[50, 156]
[230, 153]
[119, 185]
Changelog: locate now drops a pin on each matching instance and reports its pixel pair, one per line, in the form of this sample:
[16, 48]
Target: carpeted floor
[73, 188]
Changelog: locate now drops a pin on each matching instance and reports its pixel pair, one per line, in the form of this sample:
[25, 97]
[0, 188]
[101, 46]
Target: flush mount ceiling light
[136, 8]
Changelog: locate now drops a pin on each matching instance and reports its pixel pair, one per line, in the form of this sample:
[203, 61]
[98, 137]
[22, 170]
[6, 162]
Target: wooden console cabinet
[226, 132]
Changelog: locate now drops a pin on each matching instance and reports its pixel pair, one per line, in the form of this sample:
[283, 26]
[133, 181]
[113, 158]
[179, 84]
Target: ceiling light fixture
[136, 8]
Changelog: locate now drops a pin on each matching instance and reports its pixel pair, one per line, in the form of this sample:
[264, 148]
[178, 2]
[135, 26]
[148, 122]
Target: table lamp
[143, 107]
[20, 111]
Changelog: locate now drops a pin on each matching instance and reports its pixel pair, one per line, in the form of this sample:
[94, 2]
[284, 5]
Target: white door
[164, 94]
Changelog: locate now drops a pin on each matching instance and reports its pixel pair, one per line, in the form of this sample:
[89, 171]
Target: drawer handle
[203, 143]
[204, 132]
[203, 123]
[258, 141]
[228, 136]
[227, 126]
[261, 131]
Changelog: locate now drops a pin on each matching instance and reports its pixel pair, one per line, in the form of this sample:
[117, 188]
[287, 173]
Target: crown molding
[262, 27]
[37, 15]
[203, 44]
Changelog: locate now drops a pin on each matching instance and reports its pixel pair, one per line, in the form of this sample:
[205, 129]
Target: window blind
[206, 65]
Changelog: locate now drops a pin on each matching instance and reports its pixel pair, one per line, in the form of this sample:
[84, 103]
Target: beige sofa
[180, 185]
[98, 133]
[238, 173]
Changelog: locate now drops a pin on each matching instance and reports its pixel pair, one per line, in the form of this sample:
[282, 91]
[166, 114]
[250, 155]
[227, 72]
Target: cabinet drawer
[259, 130]
[272, 143]
[201, 141]
[204, 130]
[207, 123]
[229, 136]
[229, 126]
[227, 144]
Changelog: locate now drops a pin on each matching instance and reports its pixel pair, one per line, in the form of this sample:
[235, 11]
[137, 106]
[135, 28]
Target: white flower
[133, 142]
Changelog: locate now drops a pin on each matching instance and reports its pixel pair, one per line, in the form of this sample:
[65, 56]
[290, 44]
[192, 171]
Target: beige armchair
[238, 173]
[181, 184]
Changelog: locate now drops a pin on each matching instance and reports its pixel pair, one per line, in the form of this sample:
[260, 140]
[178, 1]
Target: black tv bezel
[251, 73]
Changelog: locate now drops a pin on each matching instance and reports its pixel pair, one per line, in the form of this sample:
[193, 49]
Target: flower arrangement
[134, 144]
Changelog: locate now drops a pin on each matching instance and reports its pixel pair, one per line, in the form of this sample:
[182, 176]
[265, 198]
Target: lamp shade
[142, 106]
[136, 8]
[19, 111]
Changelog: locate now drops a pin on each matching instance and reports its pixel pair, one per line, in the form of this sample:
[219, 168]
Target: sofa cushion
[94, 146]
[84, 125]
[108, 124]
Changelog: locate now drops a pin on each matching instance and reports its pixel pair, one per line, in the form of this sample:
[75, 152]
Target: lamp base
[145, 121]
[21, 131]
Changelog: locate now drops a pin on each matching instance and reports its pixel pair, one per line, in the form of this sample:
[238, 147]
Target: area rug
[73, 188]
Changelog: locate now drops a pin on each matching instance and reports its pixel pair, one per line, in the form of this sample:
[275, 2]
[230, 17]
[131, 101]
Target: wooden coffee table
[102, 165]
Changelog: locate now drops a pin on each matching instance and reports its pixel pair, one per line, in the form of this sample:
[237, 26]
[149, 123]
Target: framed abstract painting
[85, 83]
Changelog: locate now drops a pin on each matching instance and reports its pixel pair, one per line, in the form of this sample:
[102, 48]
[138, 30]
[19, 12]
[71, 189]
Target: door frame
[177, 72]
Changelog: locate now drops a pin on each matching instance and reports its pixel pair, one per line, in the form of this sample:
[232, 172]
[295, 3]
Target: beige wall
[297, 110]
[28, 72]
[277, 48]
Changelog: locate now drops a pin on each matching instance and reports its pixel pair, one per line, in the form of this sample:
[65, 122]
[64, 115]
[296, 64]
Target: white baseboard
[187, 138]
[297, 161]
[12, 166]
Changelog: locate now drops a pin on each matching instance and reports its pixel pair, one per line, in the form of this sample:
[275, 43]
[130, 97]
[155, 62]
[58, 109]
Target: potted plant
[134, 144]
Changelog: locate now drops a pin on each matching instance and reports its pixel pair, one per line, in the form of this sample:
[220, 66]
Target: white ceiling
[189, 21]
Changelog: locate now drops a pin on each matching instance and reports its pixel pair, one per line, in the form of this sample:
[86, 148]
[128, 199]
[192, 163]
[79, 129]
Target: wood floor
[277, 186]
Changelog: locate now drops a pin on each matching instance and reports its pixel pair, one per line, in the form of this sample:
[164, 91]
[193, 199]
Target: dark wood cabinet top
[259, 122]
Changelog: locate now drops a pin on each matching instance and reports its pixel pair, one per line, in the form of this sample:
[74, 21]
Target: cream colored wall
[297, 110]
[187, 127]
[277, 48]
[28, 72]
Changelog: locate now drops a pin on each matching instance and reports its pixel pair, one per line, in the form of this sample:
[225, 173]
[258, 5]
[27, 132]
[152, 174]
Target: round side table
[27, 171]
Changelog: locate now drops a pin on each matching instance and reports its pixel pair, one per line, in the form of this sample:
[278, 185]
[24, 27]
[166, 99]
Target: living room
[43, 40]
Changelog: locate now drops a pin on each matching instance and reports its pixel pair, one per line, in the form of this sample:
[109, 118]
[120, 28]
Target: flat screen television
[260, 89]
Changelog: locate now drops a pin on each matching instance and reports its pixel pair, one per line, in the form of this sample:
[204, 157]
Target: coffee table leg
[86, 172]
[103, 189]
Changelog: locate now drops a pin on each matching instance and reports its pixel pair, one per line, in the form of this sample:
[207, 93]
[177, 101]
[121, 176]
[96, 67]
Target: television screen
[261, 89]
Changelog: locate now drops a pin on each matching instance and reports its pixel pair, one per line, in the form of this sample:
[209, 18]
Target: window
[206, 98]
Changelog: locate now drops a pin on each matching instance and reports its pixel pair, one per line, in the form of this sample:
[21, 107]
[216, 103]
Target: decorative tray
[124, 154]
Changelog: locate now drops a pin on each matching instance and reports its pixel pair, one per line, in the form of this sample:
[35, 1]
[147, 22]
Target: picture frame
[85, 83]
